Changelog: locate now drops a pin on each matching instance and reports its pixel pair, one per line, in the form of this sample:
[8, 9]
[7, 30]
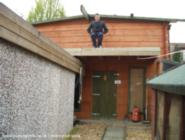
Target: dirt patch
[138, 133]
[87, 132]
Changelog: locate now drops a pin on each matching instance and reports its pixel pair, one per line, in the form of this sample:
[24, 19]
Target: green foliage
[177, 57]
[46, 10]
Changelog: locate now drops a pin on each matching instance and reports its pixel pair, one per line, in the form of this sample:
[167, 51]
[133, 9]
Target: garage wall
[37, 81]
[36, 95]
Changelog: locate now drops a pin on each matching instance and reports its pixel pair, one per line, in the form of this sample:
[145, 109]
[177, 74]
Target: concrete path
[124, 130]
[114, 133]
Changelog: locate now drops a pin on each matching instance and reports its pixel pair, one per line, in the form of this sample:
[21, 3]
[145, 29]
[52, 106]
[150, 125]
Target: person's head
[97, 17]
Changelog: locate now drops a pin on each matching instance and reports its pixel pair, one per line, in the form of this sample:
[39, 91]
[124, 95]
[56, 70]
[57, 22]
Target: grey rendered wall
[36, 96]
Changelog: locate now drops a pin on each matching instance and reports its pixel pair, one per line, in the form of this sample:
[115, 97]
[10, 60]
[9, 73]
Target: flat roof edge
[124, 51]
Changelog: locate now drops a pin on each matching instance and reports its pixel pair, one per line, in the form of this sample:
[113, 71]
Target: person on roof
[96, 30]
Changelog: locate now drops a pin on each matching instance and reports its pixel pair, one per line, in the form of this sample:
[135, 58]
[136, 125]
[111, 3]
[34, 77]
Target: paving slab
[112, 138]
[114, 133]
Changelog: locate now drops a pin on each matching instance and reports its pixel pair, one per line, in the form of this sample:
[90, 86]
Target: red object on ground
[136, 117]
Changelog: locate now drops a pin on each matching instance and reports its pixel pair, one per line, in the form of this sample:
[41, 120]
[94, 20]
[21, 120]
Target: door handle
[95, 114]
[96, 94]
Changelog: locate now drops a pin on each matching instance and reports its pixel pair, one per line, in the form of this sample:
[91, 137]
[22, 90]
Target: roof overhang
[126, 51]
[113, 17]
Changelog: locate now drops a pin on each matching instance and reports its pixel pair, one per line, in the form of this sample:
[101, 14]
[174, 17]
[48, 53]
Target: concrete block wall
[36, 95]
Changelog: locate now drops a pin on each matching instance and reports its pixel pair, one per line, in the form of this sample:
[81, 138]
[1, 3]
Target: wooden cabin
[169, 122]
[114, 77]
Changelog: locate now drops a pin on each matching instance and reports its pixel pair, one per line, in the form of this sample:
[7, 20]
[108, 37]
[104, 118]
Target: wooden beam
[127, 51]
[14, 29]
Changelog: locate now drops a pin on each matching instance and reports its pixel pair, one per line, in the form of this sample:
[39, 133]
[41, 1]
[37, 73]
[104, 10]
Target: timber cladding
[122, 33]
[121, 66]
[170, 116]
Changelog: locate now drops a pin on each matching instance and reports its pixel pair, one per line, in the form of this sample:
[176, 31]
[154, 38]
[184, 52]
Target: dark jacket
[97, 27]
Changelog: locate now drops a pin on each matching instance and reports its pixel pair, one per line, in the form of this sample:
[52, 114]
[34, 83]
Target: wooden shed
[170, 104]
[114, 77]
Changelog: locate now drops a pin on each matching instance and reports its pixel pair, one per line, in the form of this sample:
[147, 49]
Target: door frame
[129, 85]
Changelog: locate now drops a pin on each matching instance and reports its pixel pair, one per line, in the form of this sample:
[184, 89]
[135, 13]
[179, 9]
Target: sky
[144, 8]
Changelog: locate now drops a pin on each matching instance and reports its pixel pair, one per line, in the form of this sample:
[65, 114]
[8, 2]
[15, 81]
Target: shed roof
[115, 17]
[172, 81]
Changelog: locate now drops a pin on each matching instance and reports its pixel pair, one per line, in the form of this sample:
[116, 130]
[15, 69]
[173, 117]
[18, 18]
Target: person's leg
[93, 38]
[100, 39]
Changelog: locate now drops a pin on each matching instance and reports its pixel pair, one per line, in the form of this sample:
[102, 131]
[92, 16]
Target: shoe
[100, 46]
[94, 47]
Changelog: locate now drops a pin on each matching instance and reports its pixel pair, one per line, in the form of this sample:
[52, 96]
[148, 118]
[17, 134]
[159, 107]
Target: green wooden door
[104, 94]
